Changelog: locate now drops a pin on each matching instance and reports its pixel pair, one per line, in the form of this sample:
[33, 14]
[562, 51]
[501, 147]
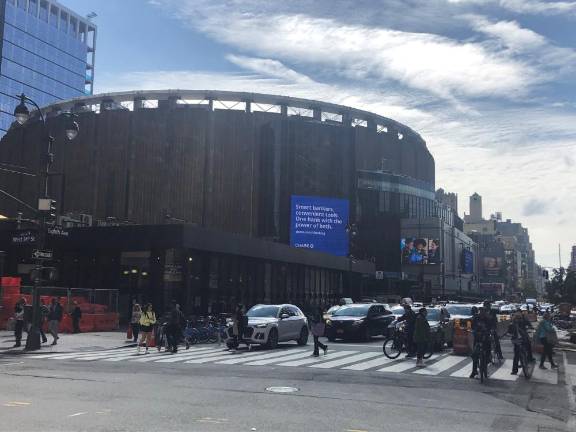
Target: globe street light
[45, 206]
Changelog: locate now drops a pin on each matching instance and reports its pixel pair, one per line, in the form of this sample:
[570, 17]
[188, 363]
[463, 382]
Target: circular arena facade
[228, 162]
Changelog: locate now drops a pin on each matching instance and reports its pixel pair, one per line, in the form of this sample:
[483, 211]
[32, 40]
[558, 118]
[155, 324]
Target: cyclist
[410, 318]
[481, 334]
[517, 330]
[494, 329]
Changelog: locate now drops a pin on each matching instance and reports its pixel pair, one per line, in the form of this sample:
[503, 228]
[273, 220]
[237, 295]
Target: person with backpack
[147, 323]
[43, 315]
[318, 328]
[19, 321]
[546, 335]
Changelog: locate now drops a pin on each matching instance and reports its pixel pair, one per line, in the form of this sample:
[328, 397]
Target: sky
[489, 84]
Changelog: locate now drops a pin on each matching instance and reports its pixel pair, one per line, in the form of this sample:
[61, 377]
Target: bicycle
[496, 351]
[395, 344]
[161, 337]
[523, 358]
[482, 361]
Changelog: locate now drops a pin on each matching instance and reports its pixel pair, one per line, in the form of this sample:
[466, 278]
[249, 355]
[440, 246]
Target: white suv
[270, 324]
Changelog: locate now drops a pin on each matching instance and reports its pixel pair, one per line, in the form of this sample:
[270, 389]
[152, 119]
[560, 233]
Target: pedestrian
[410, 318]
[43, 315]
[318, 328]
[421, 336]
[547, 336]
[174, 328]
[481, 325]
[19, 321]
[55, 314]
[147, 322]
[239, 325]
[76, 316]
[135, 321]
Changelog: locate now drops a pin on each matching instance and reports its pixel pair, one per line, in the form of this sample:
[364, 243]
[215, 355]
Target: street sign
[58, 231]
[44, 255]
[24, 237]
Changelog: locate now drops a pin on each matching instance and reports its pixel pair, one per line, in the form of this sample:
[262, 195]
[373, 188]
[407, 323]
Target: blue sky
[487, 83]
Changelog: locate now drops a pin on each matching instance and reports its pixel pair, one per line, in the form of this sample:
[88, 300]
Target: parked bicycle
[523, 358]
[396, 343]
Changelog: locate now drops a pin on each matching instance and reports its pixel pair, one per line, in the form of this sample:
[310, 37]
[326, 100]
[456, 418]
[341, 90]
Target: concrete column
[317, 114]
[106, 104]
[284, 110]
[248, 106]
[371, 124]
[139, 103]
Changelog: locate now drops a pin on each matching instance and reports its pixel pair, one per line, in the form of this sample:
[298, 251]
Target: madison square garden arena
[214, 198]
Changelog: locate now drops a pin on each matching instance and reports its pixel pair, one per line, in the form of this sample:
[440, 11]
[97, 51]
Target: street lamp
[45, 206]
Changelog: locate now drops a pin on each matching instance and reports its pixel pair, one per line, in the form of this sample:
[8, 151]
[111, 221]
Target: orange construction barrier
[462, 340]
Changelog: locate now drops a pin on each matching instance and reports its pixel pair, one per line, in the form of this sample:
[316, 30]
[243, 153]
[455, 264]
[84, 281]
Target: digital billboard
[467, 261]
[492, 265]
[420, 251]
[319, 223]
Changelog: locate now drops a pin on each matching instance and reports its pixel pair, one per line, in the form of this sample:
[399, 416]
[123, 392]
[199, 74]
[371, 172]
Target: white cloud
[426, 62]
[268, 67]
[533, 7]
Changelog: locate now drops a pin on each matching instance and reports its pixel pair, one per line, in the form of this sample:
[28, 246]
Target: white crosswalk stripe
[441, 364]
[346, 360]
[279, 353]
[310, 360]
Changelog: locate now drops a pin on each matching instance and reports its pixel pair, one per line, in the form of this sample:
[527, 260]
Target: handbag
[318, 329]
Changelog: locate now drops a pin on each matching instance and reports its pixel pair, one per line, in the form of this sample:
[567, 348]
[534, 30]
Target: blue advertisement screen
[467, 261]
[320, 224]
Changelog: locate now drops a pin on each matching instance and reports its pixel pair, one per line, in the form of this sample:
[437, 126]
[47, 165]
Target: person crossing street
[421, 336]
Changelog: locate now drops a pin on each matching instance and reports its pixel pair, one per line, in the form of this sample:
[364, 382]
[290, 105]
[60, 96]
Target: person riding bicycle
[174, 327]
[518, 333]
[410, 318]
[494, 329]
[481, 334]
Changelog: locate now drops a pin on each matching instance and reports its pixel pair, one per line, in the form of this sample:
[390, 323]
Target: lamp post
[45, 206]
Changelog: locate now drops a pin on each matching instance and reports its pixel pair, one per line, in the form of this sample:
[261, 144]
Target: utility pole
[559, 256]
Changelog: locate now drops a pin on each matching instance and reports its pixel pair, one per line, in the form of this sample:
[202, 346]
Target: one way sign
[39, 254]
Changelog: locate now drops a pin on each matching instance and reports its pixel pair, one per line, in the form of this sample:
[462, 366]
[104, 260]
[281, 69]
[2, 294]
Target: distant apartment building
[506, 255]
[572, 265]
[47, 53]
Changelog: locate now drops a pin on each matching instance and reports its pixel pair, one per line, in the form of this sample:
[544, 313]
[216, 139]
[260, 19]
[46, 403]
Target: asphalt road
[116, 391]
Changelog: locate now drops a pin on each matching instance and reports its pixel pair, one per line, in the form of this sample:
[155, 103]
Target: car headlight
[357, 322]
[261, 325]
[328, 322]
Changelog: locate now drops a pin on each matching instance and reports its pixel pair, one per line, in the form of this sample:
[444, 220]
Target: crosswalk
[440, 364]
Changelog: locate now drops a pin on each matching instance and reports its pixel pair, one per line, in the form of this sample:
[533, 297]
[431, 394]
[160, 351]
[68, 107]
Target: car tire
[272, 341]
[303, 339]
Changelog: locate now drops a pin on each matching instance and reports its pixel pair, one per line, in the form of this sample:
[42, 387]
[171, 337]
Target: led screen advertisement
[319, 223]
[420, 250]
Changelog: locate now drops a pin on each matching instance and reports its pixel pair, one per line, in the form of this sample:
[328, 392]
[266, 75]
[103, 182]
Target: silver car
[270, 324]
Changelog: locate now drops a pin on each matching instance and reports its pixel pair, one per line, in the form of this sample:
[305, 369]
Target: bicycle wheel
[429, 351]
[524, 364]
[161, 341]
[392, 348]
[483, 367]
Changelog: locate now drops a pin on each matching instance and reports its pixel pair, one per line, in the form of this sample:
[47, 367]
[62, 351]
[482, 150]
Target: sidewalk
[68, 343]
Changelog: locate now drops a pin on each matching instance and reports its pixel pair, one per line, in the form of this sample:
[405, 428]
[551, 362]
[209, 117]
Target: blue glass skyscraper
[48, 54]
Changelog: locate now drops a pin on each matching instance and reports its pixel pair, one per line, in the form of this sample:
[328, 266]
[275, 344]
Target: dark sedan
[359, 321]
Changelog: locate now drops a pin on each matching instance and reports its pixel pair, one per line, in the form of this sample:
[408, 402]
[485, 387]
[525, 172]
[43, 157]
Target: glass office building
[48, 54]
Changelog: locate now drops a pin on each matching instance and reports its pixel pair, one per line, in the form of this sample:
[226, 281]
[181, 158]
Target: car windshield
[333, 309]
[355, 311]
[263, 312]
[459, 309]
[433, 315]
[397, 310]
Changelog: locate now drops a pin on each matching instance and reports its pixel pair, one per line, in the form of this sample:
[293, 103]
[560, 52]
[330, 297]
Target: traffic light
[48, 207]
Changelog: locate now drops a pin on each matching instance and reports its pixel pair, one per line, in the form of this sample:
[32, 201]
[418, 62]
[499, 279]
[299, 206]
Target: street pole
[22, 115]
